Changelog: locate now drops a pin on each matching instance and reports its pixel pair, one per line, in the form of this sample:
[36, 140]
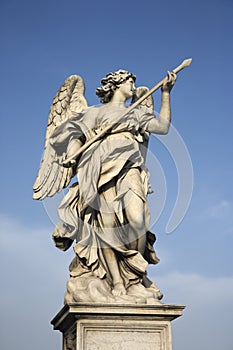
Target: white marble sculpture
[105, 212]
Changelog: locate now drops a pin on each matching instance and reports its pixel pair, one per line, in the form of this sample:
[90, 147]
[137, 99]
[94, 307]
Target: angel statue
[105, 212]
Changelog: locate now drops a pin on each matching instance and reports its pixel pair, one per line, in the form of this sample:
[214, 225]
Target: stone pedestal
[116, 327]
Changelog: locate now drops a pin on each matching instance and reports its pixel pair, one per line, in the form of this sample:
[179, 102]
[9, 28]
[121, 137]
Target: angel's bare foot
[118, 289]
[152, 287]
[157, 293]
[140, 291]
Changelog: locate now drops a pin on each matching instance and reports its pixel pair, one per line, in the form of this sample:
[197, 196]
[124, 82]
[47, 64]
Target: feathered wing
[52, 176]
[148, 103]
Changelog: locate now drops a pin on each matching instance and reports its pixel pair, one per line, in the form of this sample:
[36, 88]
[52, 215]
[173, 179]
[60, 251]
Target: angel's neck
[116, 104]
[118, 98]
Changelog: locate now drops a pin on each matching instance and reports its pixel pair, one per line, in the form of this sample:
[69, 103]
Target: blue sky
[44, 42]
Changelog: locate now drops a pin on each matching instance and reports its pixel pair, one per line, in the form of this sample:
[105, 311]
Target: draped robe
[108, 172]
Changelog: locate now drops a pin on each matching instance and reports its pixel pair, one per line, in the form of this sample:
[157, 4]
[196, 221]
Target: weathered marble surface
[106, 212]
[101, 327]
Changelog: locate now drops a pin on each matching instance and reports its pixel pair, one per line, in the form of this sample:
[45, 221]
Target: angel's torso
[97, 117]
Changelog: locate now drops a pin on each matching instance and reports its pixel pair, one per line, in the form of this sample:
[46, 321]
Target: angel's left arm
[161, 124]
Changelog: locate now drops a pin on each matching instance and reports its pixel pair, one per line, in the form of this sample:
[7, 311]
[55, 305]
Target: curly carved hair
[110, 84]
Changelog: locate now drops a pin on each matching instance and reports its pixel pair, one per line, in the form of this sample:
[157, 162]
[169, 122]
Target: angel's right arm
[75, 143]
[73, 148]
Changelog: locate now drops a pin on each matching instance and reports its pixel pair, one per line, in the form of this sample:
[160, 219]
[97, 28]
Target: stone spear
[184, 64]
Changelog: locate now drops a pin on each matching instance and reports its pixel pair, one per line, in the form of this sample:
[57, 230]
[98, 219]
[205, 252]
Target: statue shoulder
[91, 116]
[92, 110]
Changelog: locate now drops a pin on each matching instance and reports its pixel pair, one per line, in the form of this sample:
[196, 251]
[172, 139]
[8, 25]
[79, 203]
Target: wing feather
[148, 103]
[68, 101]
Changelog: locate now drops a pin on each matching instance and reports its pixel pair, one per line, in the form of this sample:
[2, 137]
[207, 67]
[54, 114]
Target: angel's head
[111, 83]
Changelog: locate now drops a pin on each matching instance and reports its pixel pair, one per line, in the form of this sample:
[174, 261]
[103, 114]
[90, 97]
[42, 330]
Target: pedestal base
[115, 327]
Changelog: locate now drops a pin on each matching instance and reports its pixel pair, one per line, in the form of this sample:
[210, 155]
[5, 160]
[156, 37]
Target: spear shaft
[184, 64]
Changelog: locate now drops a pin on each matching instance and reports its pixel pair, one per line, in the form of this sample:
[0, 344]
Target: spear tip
[187, 62]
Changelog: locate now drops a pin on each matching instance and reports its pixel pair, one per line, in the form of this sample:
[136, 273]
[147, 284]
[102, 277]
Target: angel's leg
[136, 228]
[109, 224]
[117, 282]
[135, 211]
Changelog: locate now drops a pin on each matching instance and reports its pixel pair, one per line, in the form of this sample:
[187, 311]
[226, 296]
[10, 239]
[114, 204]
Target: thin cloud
[35, 275]
[207, 301]
[220, 210]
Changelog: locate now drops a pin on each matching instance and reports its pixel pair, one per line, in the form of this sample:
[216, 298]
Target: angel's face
[127, 88]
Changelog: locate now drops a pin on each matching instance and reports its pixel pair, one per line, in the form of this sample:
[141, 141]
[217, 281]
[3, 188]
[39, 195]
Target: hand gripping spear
[184, 64]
